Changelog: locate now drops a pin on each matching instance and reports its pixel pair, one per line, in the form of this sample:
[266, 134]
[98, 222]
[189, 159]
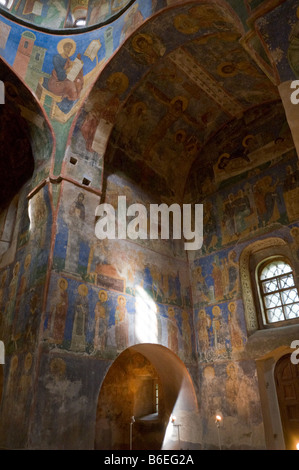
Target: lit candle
[297, 446]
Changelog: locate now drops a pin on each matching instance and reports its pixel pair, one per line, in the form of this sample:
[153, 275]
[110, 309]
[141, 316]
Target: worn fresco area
[22, 290]
[216, 284]
[31, 135]
[62, 14]
[231, 389]
[283, 47]
[41, 59]
[66, 383]
[108, 289]
[163, 119]
[183, 99]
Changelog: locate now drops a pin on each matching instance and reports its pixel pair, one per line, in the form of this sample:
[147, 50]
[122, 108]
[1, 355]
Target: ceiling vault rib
[205, 82]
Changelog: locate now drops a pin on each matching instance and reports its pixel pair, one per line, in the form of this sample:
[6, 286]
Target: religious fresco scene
[157, 102]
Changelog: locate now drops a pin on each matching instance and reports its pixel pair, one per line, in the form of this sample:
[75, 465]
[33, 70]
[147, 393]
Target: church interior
[111, 342]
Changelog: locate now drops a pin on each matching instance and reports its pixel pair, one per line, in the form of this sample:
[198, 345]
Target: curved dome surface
[64, 14]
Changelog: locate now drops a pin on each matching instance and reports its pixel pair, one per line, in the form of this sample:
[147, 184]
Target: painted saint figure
[67, 76]
[172, 330]
[236, 335]
[58, 315]
[121, 324]
[76, 224]
[80, 320]
[101, 322]
[203, 325]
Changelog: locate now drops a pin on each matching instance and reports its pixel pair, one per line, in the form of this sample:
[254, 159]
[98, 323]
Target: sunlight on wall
[172, 437]
[30, 213]
[146, 324]
[182, 426]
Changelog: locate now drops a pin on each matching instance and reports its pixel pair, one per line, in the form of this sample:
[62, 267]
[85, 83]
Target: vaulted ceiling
[197, 98]
[193, 102]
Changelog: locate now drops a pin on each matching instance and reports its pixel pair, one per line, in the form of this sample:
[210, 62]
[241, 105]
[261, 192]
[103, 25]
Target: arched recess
[126, 81]
[129, 390]
[1, 381]
[276, 437]
[287, 387]
[27, 142]
[246, 279]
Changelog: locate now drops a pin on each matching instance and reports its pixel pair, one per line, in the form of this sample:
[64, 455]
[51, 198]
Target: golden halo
[183, 99]
[139, 106]
[224, 155]
[121, 297]
[83, 290]
[230, 367]
[171, 312]
[105, 294]
[294, 231]
[230, 305]
[61, 44]
[227, 69]
[63, 284]
[121, 79]
[186, 24]
[245, 140]
[216, 311]
[181, 132]
[146, 37]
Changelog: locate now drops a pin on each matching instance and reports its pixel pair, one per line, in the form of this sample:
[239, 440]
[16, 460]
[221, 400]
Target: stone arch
[174, 426]
[23, 102]
[29, 145]
[274, 435]
[1, 381]
[246, 281]
[93, 124]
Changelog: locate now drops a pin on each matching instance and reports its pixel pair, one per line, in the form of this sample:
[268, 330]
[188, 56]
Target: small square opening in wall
[86, 182]
[73, 160]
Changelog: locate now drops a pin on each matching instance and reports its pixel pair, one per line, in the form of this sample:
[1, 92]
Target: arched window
[279, 299]
[254, 260]
[80, 22]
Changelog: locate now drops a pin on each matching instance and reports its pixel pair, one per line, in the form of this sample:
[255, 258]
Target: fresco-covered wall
[103, 297]
[25, 229]
[84, 301]
[251, 206]
[23, 289]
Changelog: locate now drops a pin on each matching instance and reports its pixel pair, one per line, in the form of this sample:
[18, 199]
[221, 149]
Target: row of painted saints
[215, 335]
[111, 328]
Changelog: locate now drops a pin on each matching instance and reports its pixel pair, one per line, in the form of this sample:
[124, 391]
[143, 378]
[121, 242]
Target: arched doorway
[287, 386]
[1, 381]
[147, 401]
